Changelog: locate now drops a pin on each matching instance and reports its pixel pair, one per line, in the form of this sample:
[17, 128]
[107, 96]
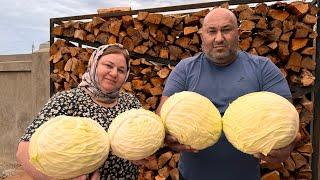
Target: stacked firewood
[69, 64]
[161, 167]
[169, 37]
[282, 32]
[146, 81]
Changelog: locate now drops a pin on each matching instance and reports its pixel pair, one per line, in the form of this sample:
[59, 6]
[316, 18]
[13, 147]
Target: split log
[80, 34]
[168, 21]
[278, 14]
[261, 9]
[288, 25]
[142, 15]
[262, 24]
[153, 18]
[299, 160]
[307, 78]
[301, 33]
[247, 25]
[246, 14]
[164, 158]
[191, 20]
[274, 175]
[140, 49]
[174, 174]
[298, 44]
[310, 19]
[190, 29]
[127, 21]
[164, 172]
[58, 30]
[114, 27]
[308, 63]
[298, 8]
[294, 62]
[97, 20]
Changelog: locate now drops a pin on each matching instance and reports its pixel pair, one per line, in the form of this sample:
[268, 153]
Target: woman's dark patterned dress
[76, 102]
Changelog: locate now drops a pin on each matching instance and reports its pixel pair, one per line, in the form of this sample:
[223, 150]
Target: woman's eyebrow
[109, 62]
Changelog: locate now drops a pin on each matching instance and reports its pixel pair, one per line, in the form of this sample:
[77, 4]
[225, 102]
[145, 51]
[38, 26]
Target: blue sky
[24, 22]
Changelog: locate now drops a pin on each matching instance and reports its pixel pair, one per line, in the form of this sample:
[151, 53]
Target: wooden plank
[112, 9]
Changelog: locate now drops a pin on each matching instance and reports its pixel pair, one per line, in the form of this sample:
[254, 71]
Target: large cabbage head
[259, 122]
[136, 134]
[192, 119]
[65, 147]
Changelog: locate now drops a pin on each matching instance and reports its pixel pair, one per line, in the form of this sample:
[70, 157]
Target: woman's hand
[173, 143]
[279, 155]
[95, 176]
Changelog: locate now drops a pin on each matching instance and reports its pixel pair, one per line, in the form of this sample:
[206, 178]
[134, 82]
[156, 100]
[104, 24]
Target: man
[222, 73]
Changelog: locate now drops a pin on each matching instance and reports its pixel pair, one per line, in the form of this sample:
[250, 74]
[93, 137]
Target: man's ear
[200, 33]
[238, 30]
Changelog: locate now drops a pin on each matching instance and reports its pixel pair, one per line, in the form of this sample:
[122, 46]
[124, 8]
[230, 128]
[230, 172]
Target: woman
[98, 97]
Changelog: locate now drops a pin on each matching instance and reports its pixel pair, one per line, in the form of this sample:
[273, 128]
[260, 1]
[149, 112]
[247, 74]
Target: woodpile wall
[282, 32]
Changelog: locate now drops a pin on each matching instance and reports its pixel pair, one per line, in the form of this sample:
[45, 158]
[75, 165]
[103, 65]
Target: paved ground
[14, 174]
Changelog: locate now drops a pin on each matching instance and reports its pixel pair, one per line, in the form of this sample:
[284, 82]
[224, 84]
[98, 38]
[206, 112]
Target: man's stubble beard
[222, 59]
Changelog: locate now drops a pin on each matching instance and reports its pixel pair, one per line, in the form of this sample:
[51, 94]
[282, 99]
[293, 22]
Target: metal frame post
[315, 164]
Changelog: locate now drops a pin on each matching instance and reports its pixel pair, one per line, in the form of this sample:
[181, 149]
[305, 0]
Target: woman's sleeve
[135, 102]
[57, 105]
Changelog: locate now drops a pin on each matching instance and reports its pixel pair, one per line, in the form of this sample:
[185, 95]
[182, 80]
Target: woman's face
[111, 71]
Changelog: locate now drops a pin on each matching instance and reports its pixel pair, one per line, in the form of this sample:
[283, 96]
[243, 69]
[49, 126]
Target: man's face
[220, 39]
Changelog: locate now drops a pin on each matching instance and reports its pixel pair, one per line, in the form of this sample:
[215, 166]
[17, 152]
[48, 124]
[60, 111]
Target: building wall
[24, 89]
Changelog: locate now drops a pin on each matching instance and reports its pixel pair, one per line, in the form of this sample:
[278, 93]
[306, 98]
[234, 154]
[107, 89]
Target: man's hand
[170, 140]
[279, 155]
[173, 143]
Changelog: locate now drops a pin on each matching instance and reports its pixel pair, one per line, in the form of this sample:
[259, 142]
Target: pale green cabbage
[192, 119]
[259, 122]
[65, 147]
[136, 134]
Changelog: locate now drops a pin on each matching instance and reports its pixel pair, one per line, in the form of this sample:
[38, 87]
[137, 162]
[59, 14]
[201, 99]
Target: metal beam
[162, 9]
[315, 164]
[51, 64]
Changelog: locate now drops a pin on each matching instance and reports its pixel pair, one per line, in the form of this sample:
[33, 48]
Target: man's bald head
[220, 36]
[221, 13]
